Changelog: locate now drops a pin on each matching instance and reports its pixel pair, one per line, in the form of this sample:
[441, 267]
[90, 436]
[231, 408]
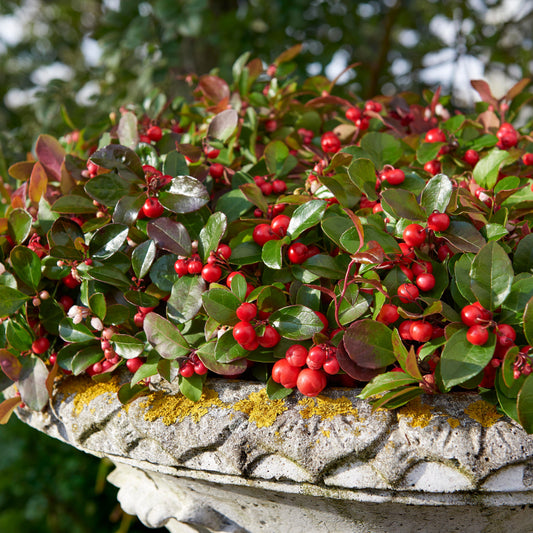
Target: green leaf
[141, 299]
[363, 175]
[107, 240]
[124, 160]
[163, 274]
[65, 233]
[18, 336]
[528, 321]
[525, 404]
[185, 298]
[277, 158]
[523, 256]
[11, 301]
[492, 276]
[463, 236]
[428, 151]
[19, 224]
[296, 322]
[170, 235]
[211, 234]
[165, 337]
[397, 398]
[127, 209]
[325, 266]
[275, 391]
[306, 216]
[227, 349]
[369, 344]
[71, 332]
[142, 258]
[128, 392]
[175, 164]
[386, 382]
[407, 359]
[254, 194]
[149, 368]
[272, 253]
[402, 204]
[110, 275]
[462, 269]
[487, 168]
[32, 383]
[27, 265]
[223, 125]
[127, 130]
[461, 360]
[85, 358]
[239, 287]
[74, 204]
[185, 194]
[342, 188]
[97, 305]
[270, 299]
[436, 194]
[221, 305]
[127, 346]
[383, 148]
[192, 387]
[206, 354]
[117, 314]
[108, 189]
[246, 253]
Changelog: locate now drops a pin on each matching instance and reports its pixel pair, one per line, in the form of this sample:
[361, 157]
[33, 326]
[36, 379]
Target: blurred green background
[66, 62]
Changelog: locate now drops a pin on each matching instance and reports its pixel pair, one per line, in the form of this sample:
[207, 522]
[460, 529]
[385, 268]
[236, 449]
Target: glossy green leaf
[254, 194]
[306, 216]
[227, 349]
[277, 158]
[402, 204]
[192, 387]
[221, 305]
[461, 270]
[124, 160]
[127, 209]
[18, 336]
[127, 346]
[165, 337]
[487, 168]
[211, 234]
[149, 368]
[128, 392]
[141, 299]
[461, 360]
[428, 151]
[239, 287]
[296, 322]
[463, 236]
[185, 298]
[528, 321]
[11, 300]
[184, 195]
[85, 358]
[436, 194]
[19, 224]
[206, 354]
[143, 257]
[523, 256]
[74, 204]
[246, 253]
[342, 188]
[175, 164]
[275, 391]
[383, 148]
[525, 404]
[170, 235]
[325, 266]
[27, 265]
[107, 189]
[97, 305]
[406, 358]
[71, 332]
[111, 276]
[107, 240]
[32, 383]
[363, 175]
[369, 344]
[386, 382]
[492, 275]
[272, 253]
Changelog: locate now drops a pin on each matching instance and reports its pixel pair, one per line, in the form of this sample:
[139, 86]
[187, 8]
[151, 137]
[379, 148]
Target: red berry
[71, 282]
[224, 250]
[331, 365]
[316, 357]
[435, 136]
[211, 153]
[270, 337]
[311, 382]
[388, 314]
[66, 302]
[527, 159]
[259, 180]
[471, 315]
[216, 171]
[414, 235]
[194, 266]
[231, 276]
[353, 113]
[200, 368]
[263, 233]
[443, 252]
[280, 224]
[134, 364]
[271, 125]
[471, 157]
[285, 374]
[154, 133]
[438, 222]
[505, 335]
[246, 312]
[211, 273]
[187, 369]
[40, 345]
[152, 208]
[330, 142]
[138, 319]
[395, 176]
[432, 167]
[297, 253]
[362, 123]
[296, 355]
[421, 331]
[477, 335]
[407, 271]
[370, 105]
[244, 333]
[266, 188]
[279, 186]
[408, 256]
[407, 292]
[422, 267]
[425, 281]
[405, 330]
[180, 266]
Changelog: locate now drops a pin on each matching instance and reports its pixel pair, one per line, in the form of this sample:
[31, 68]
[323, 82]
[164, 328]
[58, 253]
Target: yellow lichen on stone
[85, 390]
[260, 409]
[420, 413]
[174, 408]
[453, 422]
[326, 432]
[326, 407]
[483, 412]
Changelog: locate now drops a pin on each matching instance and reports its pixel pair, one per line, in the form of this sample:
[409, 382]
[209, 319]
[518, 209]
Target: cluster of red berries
[320, 360]
[211, 271]
[359, 117]
[507, 136]
[276, 186]
[273, 211]
[192, 365]
[393, 176]
[245, 333]
[152, 134]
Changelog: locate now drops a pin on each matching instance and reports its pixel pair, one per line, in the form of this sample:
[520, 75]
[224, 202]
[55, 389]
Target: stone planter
[237, 462]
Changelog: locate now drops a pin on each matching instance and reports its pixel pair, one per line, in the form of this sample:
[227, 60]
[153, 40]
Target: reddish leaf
[51, 154]
[516, 89]
[214, 88]
[21, 171]
[435, 100]
[18, 198]
[67, 181]
[354, 370]
[329, 99]
[489, 120]
[255, 67]
[483, 89]
[6, 409]
[10, 364]
[50, 379]
[38, 182]
[289, 54]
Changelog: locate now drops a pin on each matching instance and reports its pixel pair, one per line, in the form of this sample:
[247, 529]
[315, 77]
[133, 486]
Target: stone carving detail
[442, 451]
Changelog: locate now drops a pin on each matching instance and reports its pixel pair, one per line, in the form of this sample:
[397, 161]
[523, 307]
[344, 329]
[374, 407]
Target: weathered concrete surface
[236, 461]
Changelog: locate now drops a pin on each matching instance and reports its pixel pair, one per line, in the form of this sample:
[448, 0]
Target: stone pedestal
[238, 462]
